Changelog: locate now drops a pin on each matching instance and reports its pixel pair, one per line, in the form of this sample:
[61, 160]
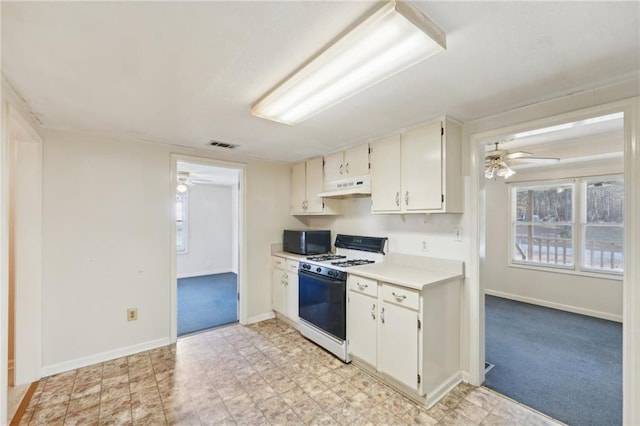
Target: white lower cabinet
[362, 326]
[398, 353]
[284, 287]
[410, 338]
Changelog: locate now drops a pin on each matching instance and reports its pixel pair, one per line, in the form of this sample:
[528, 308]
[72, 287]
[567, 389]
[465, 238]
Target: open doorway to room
[207, 246]
[552, 273]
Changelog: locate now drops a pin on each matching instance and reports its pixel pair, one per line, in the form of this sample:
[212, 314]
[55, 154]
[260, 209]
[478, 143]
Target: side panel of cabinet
[298, 187]
[385, 175]
[362, 327]
[314, 185]
[422, 168]
[292, 296]
[398, 348]
[356, 160]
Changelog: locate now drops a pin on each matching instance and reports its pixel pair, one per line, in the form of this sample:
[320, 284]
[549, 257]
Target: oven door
[323, 303]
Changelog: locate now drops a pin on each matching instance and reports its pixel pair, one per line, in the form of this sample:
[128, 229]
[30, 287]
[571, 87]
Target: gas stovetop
[325, 257]
[350, 251]
[353, 262]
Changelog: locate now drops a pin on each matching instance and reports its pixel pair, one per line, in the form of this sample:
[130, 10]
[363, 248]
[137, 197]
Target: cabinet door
[398, 345]
[333, 166]
[292, 296]
[298, 188]
[314, 185]
[362, 327]
[385, 175]
[278, 291]
[422, 168]
[356, 160]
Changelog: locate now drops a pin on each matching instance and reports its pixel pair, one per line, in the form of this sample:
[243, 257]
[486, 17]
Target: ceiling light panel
[392, 39]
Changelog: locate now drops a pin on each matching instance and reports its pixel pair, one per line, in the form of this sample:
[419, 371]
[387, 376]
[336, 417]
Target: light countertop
[403, 275]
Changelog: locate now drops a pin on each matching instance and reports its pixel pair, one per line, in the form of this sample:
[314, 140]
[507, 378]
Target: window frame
[185, 222]
[578, 226]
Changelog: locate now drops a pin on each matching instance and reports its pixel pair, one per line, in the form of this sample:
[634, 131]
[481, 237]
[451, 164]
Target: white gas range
[323, 290]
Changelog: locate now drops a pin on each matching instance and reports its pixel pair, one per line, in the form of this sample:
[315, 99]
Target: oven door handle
[320, 277]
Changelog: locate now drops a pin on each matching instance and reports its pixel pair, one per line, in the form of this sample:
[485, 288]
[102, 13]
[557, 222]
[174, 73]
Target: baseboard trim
[446, 387]
[261, 317]
[559, 306]
[49, 370]
[203, 273]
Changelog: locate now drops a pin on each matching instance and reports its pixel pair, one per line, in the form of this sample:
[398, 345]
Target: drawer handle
[362, 286]
[373, 311]
[397, 199]
[399, 296]
[382, 315]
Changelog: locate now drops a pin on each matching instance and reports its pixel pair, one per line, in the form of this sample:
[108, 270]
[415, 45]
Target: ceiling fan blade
[518, 154]
[540, 160]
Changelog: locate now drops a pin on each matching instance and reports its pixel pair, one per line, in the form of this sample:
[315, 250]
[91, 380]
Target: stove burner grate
[353, 262]
[324, 257]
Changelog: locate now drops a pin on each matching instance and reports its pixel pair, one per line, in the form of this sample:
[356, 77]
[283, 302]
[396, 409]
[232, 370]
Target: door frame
[631, 294]
[242, 236]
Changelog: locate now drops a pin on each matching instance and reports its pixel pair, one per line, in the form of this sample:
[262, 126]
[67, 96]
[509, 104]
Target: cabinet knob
[398, 199]
[382, 315]
[341, 169]
[362, 286]
[406, 198]
[346, 168]
[373, 311]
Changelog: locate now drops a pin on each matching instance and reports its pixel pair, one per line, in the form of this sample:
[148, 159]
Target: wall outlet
[458, 234]
[424, 245]
[132, 314]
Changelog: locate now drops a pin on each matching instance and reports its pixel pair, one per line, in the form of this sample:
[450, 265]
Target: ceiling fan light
[182, 187]
[489, 172]
[392, 39]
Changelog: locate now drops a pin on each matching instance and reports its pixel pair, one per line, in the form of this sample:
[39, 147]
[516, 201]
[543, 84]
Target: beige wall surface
[107, 208]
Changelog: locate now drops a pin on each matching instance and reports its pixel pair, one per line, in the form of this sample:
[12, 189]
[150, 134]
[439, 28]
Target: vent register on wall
[416, 171]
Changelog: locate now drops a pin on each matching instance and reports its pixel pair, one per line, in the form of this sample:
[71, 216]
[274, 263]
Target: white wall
[107, 221]
[210, 232]
[587, 295]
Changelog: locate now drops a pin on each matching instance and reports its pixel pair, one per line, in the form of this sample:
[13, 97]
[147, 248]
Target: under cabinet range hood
[348, 187]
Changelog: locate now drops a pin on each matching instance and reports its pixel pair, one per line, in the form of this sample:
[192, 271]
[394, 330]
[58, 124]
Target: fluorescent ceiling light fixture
[565, 126]
[392, 39]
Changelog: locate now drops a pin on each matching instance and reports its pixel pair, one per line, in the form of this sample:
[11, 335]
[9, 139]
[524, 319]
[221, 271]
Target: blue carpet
[206, 302]
[565, 365]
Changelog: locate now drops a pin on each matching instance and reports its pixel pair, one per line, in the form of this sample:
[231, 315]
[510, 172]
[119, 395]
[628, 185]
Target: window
[602, 226]
[543, 227]
[181, 222]
[545, 230]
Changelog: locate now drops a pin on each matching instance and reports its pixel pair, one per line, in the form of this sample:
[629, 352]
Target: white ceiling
[206, 174]
[187, 72]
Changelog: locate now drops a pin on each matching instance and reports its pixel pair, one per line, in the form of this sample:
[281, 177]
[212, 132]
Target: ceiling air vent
[219, 144]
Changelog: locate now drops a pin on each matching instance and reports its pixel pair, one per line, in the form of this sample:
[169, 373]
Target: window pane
[603, 248]
[546, 204]
[605, 202]
[544, 244]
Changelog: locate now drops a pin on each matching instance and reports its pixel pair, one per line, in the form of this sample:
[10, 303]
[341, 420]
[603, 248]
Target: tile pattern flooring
[266, 373]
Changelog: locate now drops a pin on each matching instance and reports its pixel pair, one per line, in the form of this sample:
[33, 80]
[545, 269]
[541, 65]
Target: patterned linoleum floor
[266, 373]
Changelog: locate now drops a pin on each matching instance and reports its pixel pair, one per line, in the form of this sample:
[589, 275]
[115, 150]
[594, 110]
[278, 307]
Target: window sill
[568, 270]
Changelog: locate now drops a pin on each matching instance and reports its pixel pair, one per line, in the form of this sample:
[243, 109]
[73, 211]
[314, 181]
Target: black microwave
[306, 242]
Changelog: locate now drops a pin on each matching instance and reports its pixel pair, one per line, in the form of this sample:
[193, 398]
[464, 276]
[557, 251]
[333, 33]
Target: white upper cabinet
[351, 162]
[419, 171]
[385, 171]
[306, 183]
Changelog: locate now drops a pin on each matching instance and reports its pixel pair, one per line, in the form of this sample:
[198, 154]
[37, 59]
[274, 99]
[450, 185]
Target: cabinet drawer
[401, 296]
[277, 262]
[292, 266]
[362, 285]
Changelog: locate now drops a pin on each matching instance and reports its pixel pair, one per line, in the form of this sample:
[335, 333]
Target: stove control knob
[318, 269]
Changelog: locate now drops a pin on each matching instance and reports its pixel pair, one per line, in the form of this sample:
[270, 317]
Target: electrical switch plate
[132, 314]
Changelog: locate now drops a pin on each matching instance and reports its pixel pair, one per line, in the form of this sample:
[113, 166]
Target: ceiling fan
[187, 179]
[498, 162]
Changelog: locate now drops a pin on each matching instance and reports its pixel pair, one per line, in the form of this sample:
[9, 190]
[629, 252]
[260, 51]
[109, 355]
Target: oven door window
[323, 303]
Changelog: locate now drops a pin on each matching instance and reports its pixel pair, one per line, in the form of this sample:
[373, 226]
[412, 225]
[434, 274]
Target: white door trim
[631, 292]
[242, 237]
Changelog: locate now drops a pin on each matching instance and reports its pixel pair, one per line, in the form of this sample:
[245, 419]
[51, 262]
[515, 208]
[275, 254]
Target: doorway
[24, 257]
[208, 226]
[551, 272]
